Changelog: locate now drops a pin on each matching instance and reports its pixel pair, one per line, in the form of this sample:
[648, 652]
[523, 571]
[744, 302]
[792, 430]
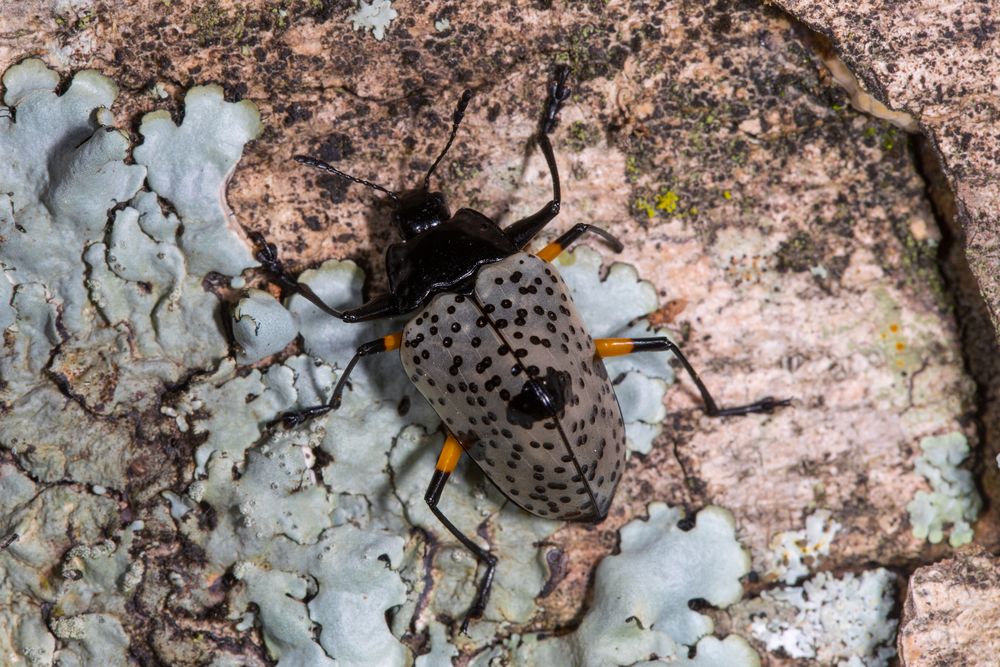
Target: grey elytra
[512, 372]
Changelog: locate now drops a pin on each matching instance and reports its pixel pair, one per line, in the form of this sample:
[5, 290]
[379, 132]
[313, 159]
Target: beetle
[496, 346]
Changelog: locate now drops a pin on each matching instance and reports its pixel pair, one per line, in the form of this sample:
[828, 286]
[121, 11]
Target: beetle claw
[473, 615]
[768, 404]
[267, 253]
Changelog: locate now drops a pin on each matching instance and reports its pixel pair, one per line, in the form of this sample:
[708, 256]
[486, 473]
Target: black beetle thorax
[443, 257]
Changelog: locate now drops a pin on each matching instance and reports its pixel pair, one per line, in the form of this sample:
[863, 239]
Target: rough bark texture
[950, 613]
[790, 237]
[940, 63]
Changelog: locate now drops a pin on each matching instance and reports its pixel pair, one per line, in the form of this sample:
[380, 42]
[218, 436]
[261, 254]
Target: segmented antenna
[455, 121]
[319, 164]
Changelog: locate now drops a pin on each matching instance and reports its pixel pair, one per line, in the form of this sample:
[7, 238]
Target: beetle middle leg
[267, 255]
[554, 249]
[377, 346]
[614, 347]
[451, 452]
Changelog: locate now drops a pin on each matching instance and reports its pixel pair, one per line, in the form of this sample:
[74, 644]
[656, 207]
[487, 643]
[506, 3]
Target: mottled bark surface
[791, 238]
[939, 62]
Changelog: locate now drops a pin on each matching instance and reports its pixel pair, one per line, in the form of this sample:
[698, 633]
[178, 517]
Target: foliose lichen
[102, 307]
[261, 327]
[953, 500]
[793, 554]
[641, 613]
[322, 529]
[374, 15]
[843, 622]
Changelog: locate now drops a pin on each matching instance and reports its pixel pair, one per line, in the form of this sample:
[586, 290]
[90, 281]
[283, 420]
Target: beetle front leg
[377, 346]
[521, 232]
[615, 347]
[451, 452]
[267, 255]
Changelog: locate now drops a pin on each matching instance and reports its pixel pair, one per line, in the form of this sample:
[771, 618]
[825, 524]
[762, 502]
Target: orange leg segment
[392, 341]
[451, 452]
[551, 251]
[614, 347]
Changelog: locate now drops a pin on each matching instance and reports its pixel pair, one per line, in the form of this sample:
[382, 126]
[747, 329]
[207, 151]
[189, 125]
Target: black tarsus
[663, 344]
[267, 255]
[319, 164]
[456, 120]
[290, 419]
[521, 232]
[558, 93]
[433, 495]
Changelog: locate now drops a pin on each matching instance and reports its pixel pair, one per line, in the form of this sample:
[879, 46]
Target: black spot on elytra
[540, 398]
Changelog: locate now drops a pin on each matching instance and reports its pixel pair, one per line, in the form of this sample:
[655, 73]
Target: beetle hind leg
[615, 347]
[451, 452]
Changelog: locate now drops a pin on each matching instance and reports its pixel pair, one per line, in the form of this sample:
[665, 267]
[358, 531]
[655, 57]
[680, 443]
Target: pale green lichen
[99, 318]
[953, 500]
[374, 15]
[442, 651]
[102, 290]
[261, 327]
[132, 315]
[350, 587]
[640, 614]
[839, 622]
[276, 524]
[91, 639]
[793, 554]
[44, 523]
[192, 173]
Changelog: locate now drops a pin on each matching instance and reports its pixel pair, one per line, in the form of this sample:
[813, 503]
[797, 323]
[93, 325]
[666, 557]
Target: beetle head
[418, 210]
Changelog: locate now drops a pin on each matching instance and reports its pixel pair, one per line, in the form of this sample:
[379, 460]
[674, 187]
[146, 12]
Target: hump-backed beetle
[496, 346]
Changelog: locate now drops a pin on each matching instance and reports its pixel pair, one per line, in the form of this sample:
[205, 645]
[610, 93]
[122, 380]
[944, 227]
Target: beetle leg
[377, 346]
[614, 347]
[521, 232]
[375, 309]
[554, 249]
[558, 93]
[451, 452]
[267, 255]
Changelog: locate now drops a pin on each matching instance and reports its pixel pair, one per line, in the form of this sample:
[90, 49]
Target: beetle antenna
[319, 164]
[455, 121]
